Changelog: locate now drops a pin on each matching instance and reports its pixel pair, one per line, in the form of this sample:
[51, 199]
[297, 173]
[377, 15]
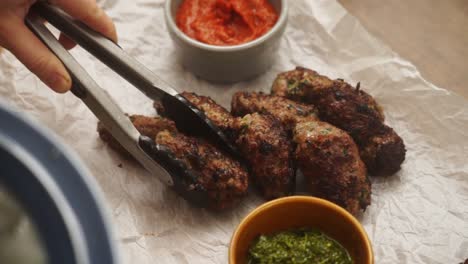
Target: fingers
[91, 14]
[17, 38]
[35, 55]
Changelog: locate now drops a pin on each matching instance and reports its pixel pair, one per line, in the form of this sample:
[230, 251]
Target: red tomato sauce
[225, 22]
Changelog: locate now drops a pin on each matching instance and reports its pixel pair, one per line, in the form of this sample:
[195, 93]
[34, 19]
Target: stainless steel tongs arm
[106, 51]
[99, 101]
[187, 117]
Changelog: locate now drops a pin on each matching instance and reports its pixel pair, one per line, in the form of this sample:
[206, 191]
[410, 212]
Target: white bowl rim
[258, 41]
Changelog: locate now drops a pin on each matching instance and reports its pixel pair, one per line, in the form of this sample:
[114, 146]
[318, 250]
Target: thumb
[35, 55]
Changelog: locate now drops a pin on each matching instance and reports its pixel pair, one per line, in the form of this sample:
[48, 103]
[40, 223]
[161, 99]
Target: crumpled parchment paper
[419, 215]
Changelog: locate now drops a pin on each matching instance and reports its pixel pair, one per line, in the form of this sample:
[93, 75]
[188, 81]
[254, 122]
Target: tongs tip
[183, 178]
[190, 120]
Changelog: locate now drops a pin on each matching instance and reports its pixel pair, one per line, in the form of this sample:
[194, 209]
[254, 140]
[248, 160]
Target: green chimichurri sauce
[297, 247]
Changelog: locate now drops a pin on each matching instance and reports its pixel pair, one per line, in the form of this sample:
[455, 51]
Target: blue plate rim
[89, 182]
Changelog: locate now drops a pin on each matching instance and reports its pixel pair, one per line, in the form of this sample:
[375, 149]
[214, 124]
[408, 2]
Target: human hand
[16, 37]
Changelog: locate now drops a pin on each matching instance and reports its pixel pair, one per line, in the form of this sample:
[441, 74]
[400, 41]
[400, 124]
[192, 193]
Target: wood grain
[432, 34]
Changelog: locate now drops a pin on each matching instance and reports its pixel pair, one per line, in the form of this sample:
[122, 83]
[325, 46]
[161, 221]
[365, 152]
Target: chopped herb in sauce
[297, 247]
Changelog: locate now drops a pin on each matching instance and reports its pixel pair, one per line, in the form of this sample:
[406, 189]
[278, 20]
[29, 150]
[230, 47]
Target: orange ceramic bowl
[297, 212]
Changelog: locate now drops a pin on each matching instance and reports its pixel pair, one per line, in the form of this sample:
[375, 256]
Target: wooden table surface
[432, 34]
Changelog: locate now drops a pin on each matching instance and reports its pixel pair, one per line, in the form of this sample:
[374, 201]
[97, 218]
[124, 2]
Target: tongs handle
[187, 117]
[106, 51]
[99, 101]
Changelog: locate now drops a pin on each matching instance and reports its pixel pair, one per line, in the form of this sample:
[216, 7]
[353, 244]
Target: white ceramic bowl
[227, 63]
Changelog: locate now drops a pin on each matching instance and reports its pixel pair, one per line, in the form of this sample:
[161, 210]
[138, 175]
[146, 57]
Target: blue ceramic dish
[57, 191]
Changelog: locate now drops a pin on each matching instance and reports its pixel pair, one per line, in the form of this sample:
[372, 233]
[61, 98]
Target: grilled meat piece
[148, 126]
[288, 112]
[151, 126]
[224, 178]
[329, 160]
[350, 109]
[306, 85]
[262, 140]
[265, 144]
[326, 155]
[384, 152]
[215, 112]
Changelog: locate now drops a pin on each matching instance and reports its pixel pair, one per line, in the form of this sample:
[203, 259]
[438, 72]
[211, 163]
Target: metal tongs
[155, 158]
